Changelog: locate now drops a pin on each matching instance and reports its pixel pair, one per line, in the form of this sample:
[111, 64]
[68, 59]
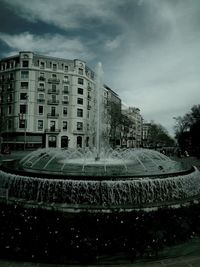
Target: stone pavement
[186, 261]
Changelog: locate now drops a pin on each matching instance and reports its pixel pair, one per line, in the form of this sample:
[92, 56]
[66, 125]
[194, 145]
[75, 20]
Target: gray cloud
[149, 48]
[54, 45]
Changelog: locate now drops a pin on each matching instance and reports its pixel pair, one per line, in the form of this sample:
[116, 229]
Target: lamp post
[22, 118]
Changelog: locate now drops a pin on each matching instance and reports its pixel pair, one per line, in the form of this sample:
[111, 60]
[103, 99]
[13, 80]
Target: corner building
[46, 102]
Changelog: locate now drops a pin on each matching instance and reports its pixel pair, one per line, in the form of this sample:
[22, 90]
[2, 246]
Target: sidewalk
[189, 261]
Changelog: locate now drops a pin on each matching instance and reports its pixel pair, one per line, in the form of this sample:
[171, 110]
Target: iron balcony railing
[53, 115]
[52, 130]
[53, 102]
[54, 80]
[52, 91]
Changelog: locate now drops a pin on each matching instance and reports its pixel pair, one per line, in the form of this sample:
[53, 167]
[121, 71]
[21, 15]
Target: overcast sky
[149, 49]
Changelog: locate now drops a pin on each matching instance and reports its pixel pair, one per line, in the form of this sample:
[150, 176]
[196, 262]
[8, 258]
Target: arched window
[79, 141]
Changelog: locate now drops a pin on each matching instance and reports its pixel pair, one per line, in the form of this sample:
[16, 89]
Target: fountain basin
[126, 180]
[120, 193]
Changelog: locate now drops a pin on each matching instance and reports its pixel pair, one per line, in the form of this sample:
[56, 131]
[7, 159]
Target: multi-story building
[131, 131]
[145, 134]
[112, 117]
[46, 102]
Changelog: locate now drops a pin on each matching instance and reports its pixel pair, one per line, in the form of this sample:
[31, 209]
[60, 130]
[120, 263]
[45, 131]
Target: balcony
[81, 132]
[40, 100]
[53, 102]
[41, 89]
[51, 91]
[52, 115]
[65, 81]
[41, 78]
[54, 80]
[65, 92]
[52, 130]
[65, 102]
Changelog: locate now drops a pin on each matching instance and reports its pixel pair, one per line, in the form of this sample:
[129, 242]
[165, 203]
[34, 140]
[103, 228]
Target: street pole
[25, 132]
[25, 122]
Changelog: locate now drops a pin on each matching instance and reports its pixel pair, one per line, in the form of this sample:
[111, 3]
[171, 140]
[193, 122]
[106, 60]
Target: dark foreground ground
[183, 255]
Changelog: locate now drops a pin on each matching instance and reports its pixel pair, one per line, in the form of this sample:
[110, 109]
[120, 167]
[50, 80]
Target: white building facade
[46, 102]
[131, 131]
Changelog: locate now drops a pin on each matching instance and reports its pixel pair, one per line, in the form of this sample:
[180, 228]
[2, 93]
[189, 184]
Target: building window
[52, 126]
[41, 76]
[9, 110]
[79, 126]
[11, 76]
[40, 110]
[40, 125]
[24, 85]
[9, 98]
[22, 124]
[65, 99]
[22, 109]
[80, 91]
[9, 124]
[79, 141]
[52, 141]
[66, 68]
[80, 71]
[54, 67]
[41, 85]
[80, 101]
[79, 112]
[64, 125]
[54, 76]
[64, 111]
[40, 96]
[24, 74]
[23, 96]
[80, 81]
[53, 111]
[25, 63]
[53, 87]
[65, 79]
[53, 98]
[66, 89]
[41, 65]
[64, 141]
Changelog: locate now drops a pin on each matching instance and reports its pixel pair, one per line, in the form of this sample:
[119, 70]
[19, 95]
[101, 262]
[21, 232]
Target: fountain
[80, 204]
[100, 178]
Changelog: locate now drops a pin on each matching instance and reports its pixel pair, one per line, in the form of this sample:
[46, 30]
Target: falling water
[99, 96]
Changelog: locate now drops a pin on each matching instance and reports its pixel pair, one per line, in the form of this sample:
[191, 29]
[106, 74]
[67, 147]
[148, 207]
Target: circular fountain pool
[120, 179]
[111, 163]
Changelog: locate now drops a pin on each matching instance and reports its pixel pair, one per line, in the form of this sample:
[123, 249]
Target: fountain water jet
[99, 96]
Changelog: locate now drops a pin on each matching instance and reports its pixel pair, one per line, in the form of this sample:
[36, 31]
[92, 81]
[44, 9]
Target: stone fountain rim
[60, 176]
